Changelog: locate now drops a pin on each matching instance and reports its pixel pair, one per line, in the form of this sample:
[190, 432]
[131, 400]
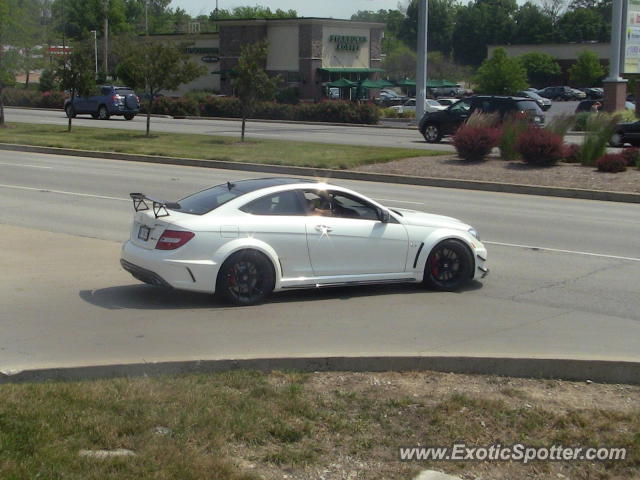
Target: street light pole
[106, 37]
[421, 77]
[615, 87]
[95, 49]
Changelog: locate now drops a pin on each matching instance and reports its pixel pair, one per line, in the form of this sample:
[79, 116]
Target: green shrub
[625, 116]
[17, 97]
[599, 129]
[561, 124]
[631, 155]
[389, 113]
[290, 95]
[47, 81]
[512, 127]
[580, 124]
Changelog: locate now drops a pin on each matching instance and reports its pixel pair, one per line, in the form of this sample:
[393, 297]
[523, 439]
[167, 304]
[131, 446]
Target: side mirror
[384, 215]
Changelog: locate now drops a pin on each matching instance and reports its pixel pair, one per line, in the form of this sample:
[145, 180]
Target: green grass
[238, 425]
[274, 152]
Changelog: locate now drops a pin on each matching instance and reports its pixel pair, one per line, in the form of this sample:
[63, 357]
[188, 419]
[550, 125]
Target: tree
[154, 67]
[501, 75]
[587, 71]
[82, 16]
[28, 34]
[251, 81]
[442, 15]
[532, 25]
[393, 19]
[8, 65]
[76, 74]
[252, 12]
[401, 63]
[542, 69]
[485, 22]
[583, 25]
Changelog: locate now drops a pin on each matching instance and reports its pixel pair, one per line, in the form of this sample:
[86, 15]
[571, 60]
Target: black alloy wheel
[103, 113]
[246, 278]
[448, 266]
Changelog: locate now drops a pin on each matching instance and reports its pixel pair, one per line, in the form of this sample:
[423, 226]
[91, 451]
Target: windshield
[524, 105]
[124, 91]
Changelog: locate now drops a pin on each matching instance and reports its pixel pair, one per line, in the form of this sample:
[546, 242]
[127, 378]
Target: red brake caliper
[435, 271]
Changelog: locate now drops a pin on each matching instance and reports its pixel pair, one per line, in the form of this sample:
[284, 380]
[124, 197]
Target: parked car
[243, 240]
[410, 106]
[389, 97]
[558, 93]
[544, 103]
[626, 132]
[593, 93]
[436, 125]
[578, 94]
[437, 92]
[447, 101]
[109, 100]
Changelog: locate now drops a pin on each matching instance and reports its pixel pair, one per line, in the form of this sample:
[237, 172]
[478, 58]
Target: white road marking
[62, 192]
[398, 201]
[24, 165]
[502, 244]
[559, 250]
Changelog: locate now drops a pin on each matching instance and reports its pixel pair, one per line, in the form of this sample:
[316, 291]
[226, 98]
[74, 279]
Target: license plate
[143, 233]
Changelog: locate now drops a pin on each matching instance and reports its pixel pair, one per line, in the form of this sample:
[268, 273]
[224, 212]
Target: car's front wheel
[70, 111]
[129, 116]
[246, 278]
[449, 265]
[432, 133]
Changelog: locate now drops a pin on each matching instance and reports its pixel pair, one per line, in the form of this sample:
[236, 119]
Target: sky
[305, 8]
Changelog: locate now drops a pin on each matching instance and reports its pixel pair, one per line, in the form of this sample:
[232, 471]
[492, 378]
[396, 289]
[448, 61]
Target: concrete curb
[577, 193]
[565, 369]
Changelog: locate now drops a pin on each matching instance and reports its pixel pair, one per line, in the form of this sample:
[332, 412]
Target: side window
[105, 91]
[281, 203]
[338, 204]
[460, 107]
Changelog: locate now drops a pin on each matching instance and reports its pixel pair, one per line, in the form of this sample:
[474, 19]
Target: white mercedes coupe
[243, 240]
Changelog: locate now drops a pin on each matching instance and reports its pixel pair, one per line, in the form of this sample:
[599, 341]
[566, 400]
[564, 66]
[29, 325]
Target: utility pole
[146, 16]
[95, 49]
[105, 4]
[421, 77]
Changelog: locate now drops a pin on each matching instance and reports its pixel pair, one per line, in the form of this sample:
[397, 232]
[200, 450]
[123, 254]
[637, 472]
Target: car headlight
[473, 232]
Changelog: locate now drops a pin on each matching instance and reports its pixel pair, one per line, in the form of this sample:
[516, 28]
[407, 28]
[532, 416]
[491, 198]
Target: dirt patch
[496, 170]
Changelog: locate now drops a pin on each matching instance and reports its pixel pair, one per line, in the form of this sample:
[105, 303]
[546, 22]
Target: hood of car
[423, 219]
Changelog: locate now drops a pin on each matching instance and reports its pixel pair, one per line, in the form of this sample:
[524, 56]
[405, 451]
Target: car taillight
[172, 239]
[116, 99]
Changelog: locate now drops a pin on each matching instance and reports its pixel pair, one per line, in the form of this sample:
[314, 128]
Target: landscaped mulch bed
[496, 170]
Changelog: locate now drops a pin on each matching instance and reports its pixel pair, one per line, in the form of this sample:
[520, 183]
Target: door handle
[323, 228]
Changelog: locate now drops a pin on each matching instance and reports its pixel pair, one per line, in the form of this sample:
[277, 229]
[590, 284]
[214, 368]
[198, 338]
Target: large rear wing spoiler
[159, 206]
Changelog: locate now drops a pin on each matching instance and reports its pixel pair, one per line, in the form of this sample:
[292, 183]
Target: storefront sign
[202, 50]
[349, 42]
[632, 38]
[210, 59]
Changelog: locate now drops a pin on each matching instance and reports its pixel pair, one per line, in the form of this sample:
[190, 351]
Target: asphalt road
[564, 282]
[341, 134]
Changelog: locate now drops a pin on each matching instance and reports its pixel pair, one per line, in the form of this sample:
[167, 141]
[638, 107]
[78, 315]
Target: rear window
[211, 198]
[525, 105]
[124, 91]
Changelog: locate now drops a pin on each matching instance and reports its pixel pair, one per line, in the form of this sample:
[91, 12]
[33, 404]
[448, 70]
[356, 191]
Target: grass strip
[209, 147]
[245, 425]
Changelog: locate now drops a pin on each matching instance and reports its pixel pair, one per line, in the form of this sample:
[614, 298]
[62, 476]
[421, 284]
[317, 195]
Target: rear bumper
[144, 275]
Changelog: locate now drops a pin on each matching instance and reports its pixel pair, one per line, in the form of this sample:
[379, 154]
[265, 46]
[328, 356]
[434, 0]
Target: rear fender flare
[234, 246]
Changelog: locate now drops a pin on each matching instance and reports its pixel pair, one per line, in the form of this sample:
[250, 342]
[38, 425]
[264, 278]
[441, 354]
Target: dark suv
[436, 125]
[107, 101]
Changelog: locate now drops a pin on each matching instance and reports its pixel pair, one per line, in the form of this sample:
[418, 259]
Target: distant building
[308, 53]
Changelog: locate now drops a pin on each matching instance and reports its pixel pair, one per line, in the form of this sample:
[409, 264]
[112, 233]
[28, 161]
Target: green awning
[406, 83]
[371, 84]
[351, 70]
[342, 83]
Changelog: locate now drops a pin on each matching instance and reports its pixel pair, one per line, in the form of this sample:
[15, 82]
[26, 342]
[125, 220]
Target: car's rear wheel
[103, 113]
[129, 116]
[449, 265]
[246, 278]
[432, 133]
[617, 140]
[70, 111]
